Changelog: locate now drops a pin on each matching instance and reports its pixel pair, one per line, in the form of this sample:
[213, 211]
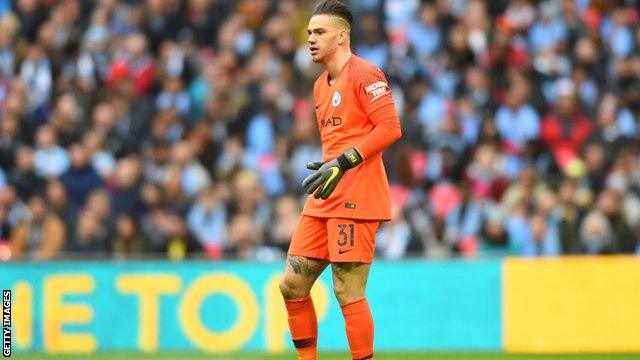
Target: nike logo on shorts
[342, 251]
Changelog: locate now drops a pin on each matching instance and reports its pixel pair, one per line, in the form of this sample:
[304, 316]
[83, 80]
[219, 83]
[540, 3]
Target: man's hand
[314, 165]
[326, 176]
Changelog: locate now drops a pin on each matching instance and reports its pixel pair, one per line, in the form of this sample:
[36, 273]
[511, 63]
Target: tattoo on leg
[300, 265]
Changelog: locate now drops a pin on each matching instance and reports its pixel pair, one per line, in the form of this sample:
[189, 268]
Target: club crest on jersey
[336, 99]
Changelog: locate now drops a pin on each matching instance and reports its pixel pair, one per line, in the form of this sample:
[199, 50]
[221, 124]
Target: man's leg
[308, 257]
[349, 284]
[351, 250]
[299, 276]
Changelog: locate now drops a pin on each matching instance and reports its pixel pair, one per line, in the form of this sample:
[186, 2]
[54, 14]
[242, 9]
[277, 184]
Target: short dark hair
[335, 8]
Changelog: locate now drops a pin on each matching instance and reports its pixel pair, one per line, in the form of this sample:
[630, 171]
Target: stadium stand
[177, 129]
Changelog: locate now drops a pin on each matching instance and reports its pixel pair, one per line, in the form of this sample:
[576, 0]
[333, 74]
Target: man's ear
[342, 36]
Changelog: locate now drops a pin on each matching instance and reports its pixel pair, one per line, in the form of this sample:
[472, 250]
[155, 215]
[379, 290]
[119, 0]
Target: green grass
[327, 356]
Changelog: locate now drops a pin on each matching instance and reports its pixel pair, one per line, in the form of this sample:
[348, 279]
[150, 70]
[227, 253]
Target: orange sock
[359, 325]
[304, 327]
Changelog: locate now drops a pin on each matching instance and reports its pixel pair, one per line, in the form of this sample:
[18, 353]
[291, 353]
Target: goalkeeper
[349, 189]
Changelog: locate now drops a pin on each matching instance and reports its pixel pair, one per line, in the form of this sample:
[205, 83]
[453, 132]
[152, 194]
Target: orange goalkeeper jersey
[356, 111]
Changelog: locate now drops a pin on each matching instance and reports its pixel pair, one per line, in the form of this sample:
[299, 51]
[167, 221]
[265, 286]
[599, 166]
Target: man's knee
[345, 294]
[291, 289]
[340, 291]
[349, 281]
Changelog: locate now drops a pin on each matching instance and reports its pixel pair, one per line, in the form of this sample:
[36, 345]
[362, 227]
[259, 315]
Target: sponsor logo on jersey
[333, 121]
[377, 89]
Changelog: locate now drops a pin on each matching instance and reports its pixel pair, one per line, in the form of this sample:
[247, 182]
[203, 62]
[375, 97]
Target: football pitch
[329, 356]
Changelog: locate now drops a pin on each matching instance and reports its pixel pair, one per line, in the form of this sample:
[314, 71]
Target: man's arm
[386, 131]
[374, 95]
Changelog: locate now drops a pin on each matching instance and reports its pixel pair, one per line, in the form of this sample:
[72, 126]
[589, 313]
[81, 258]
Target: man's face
[326, 32]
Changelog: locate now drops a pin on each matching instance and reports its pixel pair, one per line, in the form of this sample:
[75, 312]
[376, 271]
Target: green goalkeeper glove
[327, 175]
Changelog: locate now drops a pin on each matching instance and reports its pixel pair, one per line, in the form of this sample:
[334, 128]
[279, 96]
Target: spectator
[10, 141]
[494, 235]
[615, 126]
[90, 235]
[285, 219]
[128, 241]
[100, 205]
[66, 120]
[565, 130]
[194, 178]
[31, 15]
[424, 35]
[37, 75]
[431, 112]
[395, 239]
[8, 27]
[543, 239]
[569, 218]
[597, 167]
[605, 230]
[163, 17]
[50, 159]
[126, 190]
[207, 222]
[244, 242]
[103, 161]
[157, 163]
[135, 65]
[41, 236]
[60, 204]
[617, 34]
[105, 121]
[486, 173]
[173, 96]
[15, 208]
[93, 61]
[166, 234]
[517, 121]
[463, 223]
[24, 177]
[5, 228]
[373, 47]
[81, 178]
[550, 31]
[523, 190]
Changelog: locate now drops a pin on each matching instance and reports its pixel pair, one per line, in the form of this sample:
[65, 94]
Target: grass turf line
[327, 356]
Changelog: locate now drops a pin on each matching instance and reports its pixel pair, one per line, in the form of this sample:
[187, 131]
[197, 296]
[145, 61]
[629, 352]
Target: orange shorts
[335, 239]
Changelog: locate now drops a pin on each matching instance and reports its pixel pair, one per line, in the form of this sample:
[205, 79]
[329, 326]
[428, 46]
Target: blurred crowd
[181, 128]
